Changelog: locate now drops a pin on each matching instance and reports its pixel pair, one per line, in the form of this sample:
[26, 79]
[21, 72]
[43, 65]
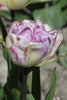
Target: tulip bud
[11, 4]
[30, 42]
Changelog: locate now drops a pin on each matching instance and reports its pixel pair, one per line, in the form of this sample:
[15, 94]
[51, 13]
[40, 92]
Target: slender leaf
[50, 94]
[1, 94]
[29, 82]
[13, 79]
[37, 1]
[4, 33]
[5, 54]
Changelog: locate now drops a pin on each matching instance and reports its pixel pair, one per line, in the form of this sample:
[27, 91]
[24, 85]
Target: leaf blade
[50, 94]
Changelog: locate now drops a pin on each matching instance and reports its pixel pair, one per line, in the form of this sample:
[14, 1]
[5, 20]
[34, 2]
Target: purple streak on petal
[14, 52]
[18, 38]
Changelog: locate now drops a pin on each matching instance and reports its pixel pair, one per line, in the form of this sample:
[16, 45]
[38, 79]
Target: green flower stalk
[1, 40]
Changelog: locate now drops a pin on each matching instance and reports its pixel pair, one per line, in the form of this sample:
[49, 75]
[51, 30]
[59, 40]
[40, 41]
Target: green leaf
[19, 16]
[6, 15]
[13, 79]
[36, 1]
[1, 94]
[63, 49]
[29, 82]
[51, 16]
[50, 94]
[5, 54]
[64, 16]
[4, 33]
[13, 94]
[36, 89]
[30, 97]
[63, 3]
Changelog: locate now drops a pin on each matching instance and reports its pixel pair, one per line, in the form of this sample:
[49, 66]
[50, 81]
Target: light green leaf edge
[50, 94]
[30, 97]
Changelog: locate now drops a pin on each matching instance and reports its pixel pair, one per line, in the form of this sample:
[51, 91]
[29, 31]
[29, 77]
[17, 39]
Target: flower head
[11, 4]
[31, 42]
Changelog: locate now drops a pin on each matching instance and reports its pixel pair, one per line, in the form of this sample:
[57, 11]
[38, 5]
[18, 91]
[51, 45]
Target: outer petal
[16, 55]
[37, 52]
[29, 56]
[58, 42]
[15, 4]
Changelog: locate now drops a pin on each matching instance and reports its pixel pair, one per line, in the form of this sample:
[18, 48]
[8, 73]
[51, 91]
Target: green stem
[12, 15]
[1, 40]
[24, 73]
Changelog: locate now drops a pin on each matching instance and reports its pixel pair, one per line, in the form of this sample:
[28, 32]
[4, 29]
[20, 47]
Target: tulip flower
[30, 42]
[12, 4]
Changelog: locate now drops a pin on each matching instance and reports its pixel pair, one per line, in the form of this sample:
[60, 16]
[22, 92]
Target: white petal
[15, 4]
[37, 52]
[8, 42]
[3, 70]
[3, 9]
[47, 27]
[58, 42]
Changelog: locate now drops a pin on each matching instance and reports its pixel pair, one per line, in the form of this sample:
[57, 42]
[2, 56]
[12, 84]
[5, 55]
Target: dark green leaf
[19, 16]
[36, 89]
[5, 54]
[13, 94]
[50, 94]
[63, 49]
[1, 94]
[63, 3]
[13, 79]
[64, 16]
[6, 15]
[51, 16]
[4, 33]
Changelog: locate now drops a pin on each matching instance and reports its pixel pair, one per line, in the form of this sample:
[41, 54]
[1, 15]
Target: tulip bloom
[11, 4]
[30, 42]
